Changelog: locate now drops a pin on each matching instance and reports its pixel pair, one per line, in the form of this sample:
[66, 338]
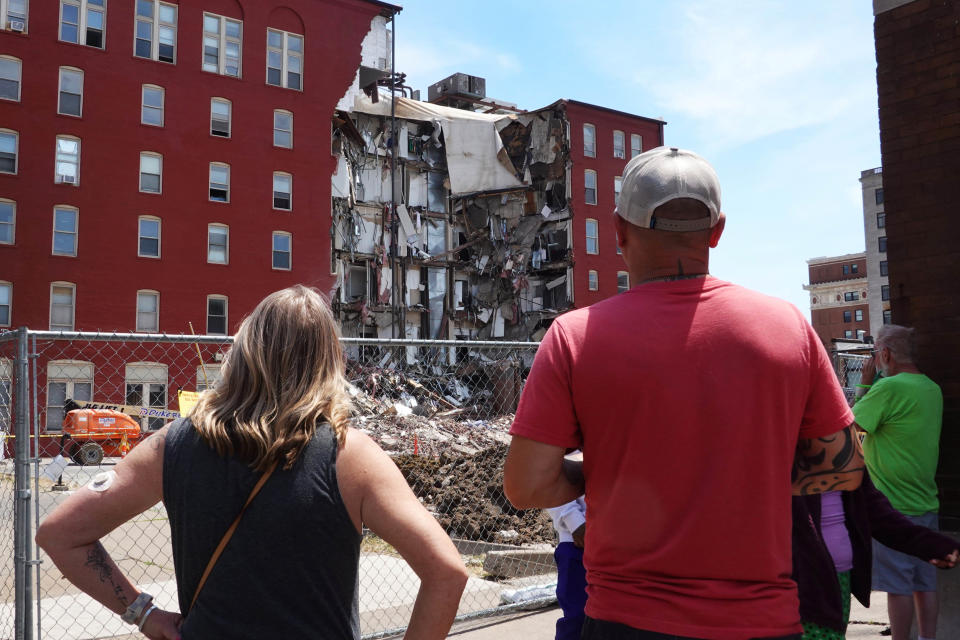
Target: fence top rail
[407, 342]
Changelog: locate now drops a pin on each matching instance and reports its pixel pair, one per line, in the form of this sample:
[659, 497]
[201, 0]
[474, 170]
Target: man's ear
[717, 230]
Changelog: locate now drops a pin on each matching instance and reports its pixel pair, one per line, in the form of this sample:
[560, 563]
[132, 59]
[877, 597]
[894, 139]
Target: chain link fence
[849, 369]
[441, 409]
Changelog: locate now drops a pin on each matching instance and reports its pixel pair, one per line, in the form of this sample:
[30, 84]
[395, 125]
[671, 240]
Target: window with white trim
[618, 144]
[148, 311]
[67, 161]
[9, 143]
[623, 281]
[887, 316]
[593, 282]
[6, 303]
[219, 182]
[151, 172]
[589, 141]
[858, 315]
[282, 191]
[6, 387]
[11, 70]
[156, 31]
[66, 223]
[282, 129]
[83, 22]
[217, 315]
[148, 237]
[282, 250]
[593, 236]
[70, 99]
[146, 386]
[218, 244]
[14, 14]
[617, 187]
[222, 45]
[62, 302]
[636, 145]
[71, 379]
[8, 221]
[208, 375]
[151, 105]
[220, 111]
[590, 186]
[284, 59]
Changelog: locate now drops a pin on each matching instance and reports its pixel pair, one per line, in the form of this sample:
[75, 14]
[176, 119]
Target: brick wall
[918, 81]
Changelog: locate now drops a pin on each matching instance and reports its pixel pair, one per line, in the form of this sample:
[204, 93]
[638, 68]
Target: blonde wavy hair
[283, 375]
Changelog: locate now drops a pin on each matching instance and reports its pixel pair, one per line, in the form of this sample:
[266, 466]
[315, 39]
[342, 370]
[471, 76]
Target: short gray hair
[899, 340]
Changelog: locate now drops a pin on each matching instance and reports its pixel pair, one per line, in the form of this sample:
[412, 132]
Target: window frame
[13, 221]
[60, 91]
[155, 26]
[222, 40]
[617, 188]
[75, 232]
[273, 251]
[847, 316]
[620, 153]
[226, 314]
[593, 280]
[19, 69]
[884, 268]
[73, 304]
[639, 147]
[858, 315]
[57, 176]
[854, 268]
[5, 16]
[16, 151]
[140, 220]
[878, 196]
[83, 6]
[9, 305]
[588, 237]
[229, 103]
[285, 54]
[621, 288]
[156, 325]
[881, 220]
[289, 176]
[882, 244]
[210, 182]
[884, 292]
[56, 374]
[589, 152]
[144, 106]
[226, 247]
[276, 129]
[587, 188]
[158, 156]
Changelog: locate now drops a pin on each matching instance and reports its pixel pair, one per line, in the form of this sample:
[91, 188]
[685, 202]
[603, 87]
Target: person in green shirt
[902, 414]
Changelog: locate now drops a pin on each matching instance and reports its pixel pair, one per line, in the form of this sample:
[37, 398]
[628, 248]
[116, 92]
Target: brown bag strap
[229, 534]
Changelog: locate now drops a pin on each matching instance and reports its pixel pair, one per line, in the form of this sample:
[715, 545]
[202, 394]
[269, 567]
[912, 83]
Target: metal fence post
[23, 541]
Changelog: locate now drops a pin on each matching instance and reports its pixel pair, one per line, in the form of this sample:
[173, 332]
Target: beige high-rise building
[875, 238]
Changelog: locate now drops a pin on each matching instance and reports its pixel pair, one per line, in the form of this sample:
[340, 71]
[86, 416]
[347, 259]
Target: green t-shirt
[902, 416]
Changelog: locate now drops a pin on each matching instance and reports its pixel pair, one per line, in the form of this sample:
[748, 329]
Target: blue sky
[780, 96]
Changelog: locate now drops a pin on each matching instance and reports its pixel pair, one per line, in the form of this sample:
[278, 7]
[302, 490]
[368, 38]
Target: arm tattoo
[99, 561]
[813, 473]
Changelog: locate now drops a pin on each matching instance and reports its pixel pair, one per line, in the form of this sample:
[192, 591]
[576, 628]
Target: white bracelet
[146, 614]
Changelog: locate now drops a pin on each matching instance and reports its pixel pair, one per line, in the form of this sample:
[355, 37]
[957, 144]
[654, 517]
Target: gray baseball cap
[663, 174]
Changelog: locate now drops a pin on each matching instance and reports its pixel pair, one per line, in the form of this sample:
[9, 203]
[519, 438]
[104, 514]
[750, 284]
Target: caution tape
[130, 410]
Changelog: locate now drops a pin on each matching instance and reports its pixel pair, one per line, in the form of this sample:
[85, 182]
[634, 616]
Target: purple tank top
[834, 530]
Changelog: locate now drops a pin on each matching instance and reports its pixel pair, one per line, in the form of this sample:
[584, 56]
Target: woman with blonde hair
[268, 455]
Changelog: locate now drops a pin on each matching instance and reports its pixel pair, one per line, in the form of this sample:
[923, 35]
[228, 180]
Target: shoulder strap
[229, 534]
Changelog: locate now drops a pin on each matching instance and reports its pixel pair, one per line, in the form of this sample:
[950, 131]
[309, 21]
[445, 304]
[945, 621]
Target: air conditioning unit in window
[17, 25]
[68, 179]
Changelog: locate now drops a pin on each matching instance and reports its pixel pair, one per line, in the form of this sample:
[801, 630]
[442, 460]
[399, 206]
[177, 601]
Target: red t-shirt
[687, 398]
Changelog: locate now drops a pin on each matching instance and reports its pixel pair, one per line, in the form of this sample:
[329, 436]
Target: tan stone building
[839, 308]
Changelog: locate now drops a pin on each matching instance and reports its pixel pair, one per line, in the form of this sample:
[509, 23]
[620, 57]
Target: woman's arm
[71, 534]
[377, 495]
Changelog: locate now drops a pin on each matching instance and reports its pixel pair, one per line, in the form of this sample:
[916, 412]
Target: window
[593, 241]
[151, 172]
[8, 221]
[884, 292]
[846, 269]
[9, 141]
[616, 236]
[65, 227]
[146, 386]
[883, 268]
[848, 333]
[222, 41]
[219, 182]
[14, 15]
[590, 186]
[854, 268]
[589, 141]
[6, 303]
[217, 315]
[208, 375]
[618, 142]
[71, 92]
[881, 220]
[858, 315]
[156, 31]
[66, 379]
[282, 191]
[281, 250]
[878, 195]
[636, 145]
[623, 281]
[283, 129]
[850, 296]
[151, 106]
[882, 244]
[68, 161]
[284, 59]
[593, 282]
[148, 311]
[220, 117]
[218, 244]
[62, 298]
[10, 70]
[887, 316]
[148, 237]
[847, 316]
[82, 21]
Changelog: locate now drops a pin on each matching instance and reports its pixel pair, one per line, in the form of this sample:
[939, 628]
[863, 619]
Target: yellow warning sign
[187, 400]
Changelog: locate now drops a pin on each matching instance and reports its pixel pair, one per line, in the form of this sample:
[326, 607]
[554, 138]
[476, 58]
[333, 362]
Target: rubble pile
[466, 494]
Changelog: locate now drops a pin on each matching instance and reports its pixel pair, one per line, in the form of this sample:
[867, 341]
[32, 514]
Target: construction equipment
[91, 434]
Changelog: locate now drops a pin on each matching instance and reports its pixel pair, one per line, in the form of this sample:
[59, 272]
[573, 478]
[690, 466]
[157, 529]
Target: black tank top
[290, 569]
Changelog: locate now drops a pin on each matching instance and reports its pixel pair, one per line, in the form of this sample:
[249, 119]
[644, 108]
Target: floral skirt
[813, 631]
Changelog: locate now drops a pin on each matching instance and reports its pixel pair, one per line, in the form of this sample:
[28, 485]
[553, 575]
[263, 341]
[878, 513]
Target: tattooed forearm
[99, 561]
[831, 463]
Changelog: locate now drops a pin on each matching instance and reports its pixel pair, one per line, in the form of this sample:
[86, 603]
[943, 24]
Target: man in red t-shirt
[700, 407]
